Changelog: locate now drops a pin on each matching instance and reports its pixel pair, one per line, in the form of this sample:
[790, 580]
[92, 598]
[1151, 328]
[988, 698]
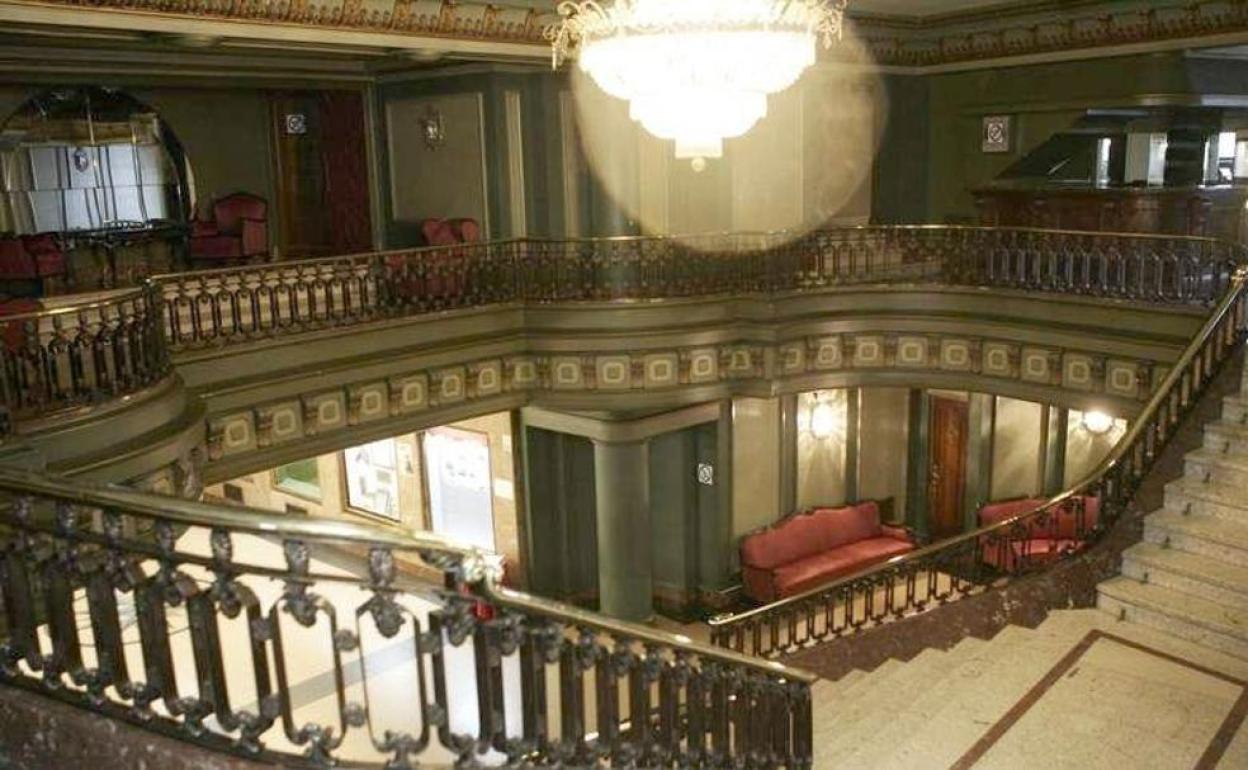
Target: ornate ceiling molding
[1046, 28]
[475, 21]
[995, 34]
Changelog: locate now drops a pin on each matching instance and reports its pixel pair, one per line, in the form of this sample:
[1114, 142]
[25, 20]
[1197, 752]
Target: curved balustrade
[82, 355]
[974, 562]
[241, 304]
[252, 633]
[101, 350]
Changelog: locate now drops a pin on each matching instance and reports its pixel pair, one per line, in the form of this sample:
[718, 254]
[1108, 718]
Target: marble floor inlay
[1113, 703]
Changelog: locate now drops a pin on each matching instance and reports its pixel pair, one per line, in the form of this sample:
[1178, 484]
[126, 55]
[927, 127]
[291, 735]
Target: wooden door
[947, 468]
[322, 173]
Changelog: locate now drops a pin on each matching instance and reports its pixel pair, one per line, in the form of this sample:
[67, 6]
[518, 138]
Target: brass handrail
[1131, 440]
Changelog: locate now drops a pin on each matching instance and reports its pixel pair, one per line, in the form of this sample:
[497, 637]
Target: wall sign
[996, 134]
[296, 124]
[706, 474]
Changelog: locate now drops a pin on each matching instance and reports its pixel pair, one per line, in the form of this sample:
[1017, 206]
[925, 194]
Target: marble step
[1186, 616]
[1235, 409]
[1226, 436]
[1220, 581]
[864, 685]
[845, 731]
[1217, 468]
[990, 673]
[1201, 499]
[1204, 535]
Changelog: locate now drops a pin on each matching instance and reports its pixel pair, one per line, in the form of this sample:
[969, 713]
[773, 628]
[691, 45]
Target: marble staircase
[1116, 707]
[1189, 577]
[1155, 677]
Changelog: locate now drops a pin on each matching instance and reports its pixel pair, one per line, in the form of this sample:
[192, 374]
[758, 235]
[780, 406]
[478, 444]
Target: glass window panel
[121, 165]
[45, 167]
[48, 213]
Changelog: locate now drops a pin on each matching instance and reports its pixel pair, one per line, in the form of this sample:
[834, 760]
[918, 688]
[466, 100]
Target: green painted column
[1053, 449]
[917, 464]
[788, 453]
[625, 555]
[980, 419]
[853, 441]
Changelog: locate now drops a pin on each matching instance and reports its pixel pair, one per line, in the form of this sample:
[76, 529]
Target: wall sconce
[432, 129]
[1097, 423]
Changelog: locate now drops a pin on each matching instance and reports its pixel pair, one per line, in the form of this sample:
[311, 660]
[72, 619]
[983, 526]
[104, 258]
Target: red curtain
[343, 149]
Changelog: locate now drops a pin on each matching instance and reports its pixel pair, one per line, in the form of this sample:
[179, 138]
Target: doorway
[321, 173]
[947, 467]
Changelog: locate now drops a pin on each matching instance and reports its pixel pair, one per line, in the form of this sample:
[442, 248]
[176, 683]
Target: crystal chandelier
[695, 71]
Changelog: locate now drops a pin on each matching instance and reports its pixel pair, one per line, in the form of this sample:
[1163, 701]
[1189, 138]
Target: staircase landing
[1083, 690]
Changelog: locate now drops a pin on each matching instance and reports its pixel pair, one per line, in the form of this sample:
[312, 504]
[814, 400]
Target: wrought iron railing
[241, 304]
[302, 641]
[83, 354]
[1061, 528]
[104, 349]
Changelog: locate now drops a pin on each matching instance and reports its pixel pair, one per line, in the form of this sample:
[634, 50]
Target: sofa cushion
[791, 540]
[808, 534]
[824, 567]
[849, 524]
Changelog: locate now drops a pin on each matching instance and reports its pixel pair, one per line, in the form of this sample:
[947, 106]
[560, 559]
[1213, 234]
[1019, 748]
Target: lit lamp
[823, 420]
[1097, 423]
[695, 71]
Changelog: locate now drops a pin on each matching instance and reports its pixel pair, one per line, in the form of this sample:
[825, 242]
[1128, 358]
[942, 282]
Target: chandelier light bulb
[696, 72]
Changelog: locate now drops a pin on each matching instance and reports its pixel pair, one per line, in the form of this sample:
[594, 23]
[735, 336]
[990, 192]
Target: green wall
[562, 526]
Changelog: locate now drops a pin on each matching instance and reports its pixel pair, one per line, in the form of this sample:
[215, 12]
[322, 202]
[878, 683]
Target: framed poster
[372, 478]
[457, 470]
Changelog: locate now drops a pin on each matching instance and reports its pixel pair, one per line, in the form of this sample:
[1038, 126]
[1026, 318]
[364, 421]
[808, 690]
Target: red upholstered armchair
[239, 230]
[1043, 539]
[31, 260]
[805, 550]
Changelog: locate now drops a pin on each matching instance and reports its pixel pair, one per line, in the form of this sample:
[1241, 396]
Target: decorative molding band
[1046, 28]
[1001, 32]
[480, 386]
[422, 18]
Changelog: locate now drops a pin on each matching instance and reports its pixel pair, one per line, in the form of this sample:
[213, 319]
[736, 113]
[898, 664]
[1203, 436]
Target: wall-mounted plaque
[996, 136]
[296, 124]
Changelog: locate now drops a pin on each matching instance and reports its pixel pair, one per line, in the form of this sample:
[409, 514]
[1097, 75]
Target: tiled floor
[1081, 691]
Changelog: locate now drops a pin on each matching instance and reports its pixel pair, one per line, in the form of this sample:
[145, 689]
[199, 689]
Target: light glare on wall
[823, 421]
[1097, 422]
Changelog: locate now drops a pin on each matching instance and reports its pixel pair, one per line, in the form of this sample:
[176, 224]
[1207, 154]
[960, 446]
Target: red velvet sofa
[239, 230]
[807, 549]
[1041, 542]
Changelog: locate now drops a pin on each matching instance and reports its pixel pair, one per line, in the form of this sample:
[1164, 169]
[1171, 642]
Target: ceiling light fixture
[695, 71]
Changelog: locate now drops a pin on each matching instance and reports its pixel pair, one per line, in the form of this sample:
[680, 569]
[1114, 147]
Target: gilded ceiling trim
[961, 39]
[424, 18]
[1023, 30]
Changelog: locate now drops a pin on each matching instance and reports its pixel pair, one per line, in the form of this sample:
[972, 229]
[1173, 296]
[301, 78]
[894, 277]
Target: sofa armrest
[898, 532]
[758, 584]
[203, 229]
[255, 236]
